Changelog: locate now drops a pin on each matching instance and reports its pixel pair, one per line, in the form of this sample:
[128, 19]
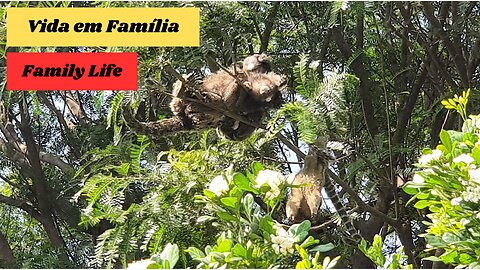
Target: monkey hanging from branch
[248, 92]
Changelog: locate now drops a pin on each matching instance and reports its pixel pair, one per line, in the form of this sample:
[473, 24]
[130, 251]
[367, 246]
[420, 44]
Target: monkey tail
[353, 235]
[158, 128]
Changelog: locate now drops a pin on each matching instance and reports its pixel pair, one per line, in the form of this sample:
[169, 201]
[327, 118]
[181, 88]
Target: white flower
[471, 194]
[464, 221]
[425, 159]
[344, 5]
[142, 264]
[282, 242]
[456, 201]
[271, 178]
[314, 64]
[418, 179]
[218, 185]
[466, 158]
[474, 175]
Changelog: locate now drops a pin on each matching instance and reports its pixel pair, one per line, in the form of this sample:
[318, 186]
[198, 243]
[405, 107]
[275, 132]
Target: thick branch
[67, 124]
[406, 113]
[474, 59]
[21, 204]
[42, 192]
[265, 38]
[437, 62]
[6, 253]
[359, 70]
[455, 53]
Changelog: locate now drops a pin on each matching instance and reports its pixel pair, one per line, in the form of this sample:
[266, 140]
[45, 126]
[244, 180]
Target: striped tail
[158, 128]
[351, 232]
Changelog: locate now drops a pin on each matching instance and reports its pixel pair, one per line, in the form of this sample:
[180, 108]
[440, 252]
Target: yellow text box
[153, 27]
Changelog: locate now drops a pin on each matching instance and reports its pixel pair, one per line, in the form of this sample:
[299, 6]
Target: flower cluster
[272, 179]
[472, 194]
[219, 185]
[427, 158]
[465, 158]
[283, 242]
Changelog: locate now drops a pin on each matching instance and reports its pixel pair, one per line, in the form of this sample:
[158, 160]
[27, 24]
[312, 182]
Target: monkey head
[257, 63]
[267, 88]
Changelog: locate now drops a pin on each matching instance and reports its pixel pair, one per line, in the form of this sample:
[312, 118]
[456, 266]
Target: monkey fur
[264, 91]
[305, 201]
[254, 90]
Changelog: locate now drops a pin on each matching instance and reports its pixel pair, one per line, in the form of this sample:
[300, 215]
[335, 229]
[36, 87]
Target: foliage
[165, 260]
[250, 237]
[375, 253]
[390, 64]
[448, 184]
[113, 194]
[321, 108]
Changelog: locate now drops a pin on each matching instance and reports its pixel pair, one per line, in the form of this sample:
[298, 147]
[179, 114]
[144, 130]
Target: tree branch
[265, 38]
[359, 70]
[6, 253]
[455, 53]
[362, 205]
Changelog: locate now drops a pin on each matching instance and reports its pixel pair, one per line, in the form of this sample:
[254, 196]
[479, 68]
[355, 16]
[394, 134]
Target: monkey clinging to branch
[248, 93]
[305, 201]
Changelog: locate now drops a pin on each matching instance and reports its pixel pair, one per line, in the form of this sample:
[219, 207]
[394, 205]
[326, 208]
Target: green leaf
[422, 204]
[226, 216]
[154, 266]
[239, 250]
[242, 183]
[266, 224]
[225, 246]
[476, 154]
[301, 265]
[303, 253]
[323, 248]
[209, 194]
[455, 136]
[123, 169]
[247, 203]
[465, 258]
[230, 201]
[423, 196]
[304, 226]
[449, 257]
[170, 254]
[257, 166]
[432, 258]
[195, 253]
[309, 241]
[409, 189]
[446, 140]
[300, 231]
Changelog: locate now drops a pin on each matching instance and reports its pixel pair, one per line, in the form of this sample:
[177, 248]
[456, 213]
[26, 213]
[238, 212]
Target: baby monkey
[262, 90]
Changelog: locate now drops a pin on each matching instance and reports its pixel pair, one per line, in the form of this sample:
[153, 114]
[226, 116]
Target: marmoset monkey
[254, 90]
[264, 91]
[304, 202]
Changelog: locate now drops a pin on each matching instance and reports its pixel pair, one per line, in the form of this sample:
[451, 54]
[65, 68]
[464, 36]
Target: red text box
[72, 71]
